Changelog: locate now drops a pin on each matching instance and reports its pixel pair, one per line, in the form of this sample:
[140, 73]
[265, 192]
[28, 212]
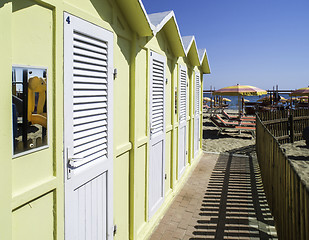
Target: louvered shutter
[197, 94]
[88, 130]
[157, 101]
[90, 105]
[183, 94]
[157, 133]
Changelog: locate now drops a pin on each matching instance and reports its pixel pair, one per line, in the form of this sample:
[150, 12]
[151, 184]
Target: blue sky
[255, 42]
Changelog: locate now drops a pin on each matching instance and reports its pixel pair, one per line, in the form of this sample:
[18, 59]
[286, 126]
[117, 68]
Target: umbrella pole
[239, 106]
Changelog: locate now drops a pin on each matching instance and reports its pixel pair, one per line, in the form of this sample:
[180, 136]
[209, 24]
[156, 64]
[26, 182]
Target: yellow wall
[32, 191]
[34, 29]
[34, 176]
[6, 121]
[141, 225]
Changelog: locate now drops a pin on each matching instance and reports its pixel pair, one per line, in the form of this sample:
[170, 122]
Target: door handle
[151, 130]
[72, 161]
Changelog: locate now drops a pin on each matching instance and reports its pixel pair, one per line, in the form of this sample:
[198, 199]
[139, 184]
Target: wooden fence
[286, 125]
[287, 195]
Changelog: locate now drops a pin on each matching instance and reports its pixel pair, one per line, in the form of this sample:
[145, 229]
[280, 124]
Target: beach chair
[206, 107]
[222, 127]
[243, 118]
[234, 123]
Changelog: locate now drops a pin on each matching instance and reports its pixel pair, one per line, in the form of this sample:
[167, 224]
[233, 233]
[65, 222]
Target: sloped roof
[204, 60]
[149, 25]
[159, 19]
[167, 20]
[136, 15]
[191, 49]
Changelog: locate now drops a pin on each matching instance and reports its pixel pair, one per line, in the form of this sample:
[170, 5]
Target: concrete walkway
[222, 199]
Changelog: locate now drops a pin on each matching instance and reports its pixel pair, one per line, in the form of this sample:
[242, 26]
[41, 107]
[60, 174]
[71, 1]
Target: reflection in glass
[29, 108]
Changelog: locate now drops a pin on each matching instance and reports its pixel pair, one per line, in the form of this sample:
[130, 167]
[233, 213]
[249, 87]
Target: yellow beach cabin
[101, 118]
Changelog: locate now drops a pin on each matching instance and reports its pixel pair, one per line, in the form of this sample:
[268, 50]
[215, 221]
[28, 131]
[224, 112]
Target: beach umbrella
[303, 98]
[240, 90]
[266, 98]
[226, 100]
[246, 100]
[207, 99]
[300, 92]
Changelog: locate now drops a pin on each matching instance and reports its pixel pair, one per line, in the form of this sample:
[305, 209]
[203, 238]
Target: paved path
[222, 199]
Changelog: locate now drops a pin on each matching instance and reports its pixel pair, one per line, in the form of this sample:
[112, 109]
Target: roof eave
[205, 64]
[193, 54]
[170, 27]
[191, 50]
[173, 35]
[136, 15]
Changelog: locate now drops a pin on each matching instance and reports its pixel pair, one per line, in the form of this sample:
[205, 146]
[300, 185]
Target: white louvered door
[197, 102]
[157, 133]
[88, 157]
[182, 129]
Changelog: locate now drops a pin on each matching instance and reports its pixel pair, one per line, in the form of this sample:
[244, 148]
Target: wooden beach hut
[90, 118]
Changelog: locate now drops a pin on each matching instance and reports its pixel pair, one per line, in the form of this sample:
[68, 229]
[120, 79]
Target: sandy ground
[230, 141]
[298, 153]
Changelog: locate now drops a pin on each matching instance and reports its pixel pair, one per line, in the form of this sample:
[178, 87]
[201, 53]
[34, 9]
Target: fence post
[291, 126]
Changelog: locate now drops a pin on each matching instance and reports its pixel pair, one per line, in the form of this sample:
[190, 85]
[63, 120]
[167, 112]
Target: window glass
[29, 104]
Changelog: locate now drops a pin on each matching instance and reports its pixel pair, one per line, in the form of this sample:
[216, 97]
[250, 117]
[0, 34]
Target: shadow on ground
[213, 134]
[234, 203]
[247, 150]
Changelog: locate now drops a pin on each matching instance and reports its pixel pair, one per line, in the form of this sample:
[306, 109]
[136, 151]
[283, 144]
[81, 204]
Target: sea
[234, 99]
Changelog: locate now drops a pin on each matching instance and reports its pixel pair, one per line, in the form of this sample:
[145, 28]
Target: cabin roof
[167, 20]
[191, 49]
[136, 15]
[204, 60]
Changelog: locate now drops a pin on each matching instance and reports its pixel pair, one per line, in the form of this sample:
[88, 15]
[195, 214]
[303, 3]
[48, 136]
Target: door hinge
[114, 229]
[115, 73]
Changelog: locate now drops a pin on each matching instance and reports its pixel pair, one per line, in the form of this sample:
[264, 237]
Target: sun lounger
[221, 127]
[206, 108]
[243, 118]
[212, 110]
[235, 123]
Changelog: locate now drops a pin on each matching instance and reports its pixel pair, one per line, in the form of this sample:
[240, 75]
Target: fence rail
[287, 195]
[286, 125]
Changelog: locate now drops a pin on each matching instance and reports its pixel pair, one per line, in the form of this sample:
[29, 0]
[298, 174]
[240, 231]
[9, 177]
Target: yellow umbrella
[240, 90]
[207, 99]
[266, 98]
[226, 100]
[300, 92]
[303, 98]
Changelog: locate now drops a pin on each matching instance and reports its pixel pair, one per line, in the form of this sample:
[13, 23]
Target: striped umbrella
[303, 98]
[300, 92]
[226, 100]
[207, 99]
[240, 90]
[266, 98]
